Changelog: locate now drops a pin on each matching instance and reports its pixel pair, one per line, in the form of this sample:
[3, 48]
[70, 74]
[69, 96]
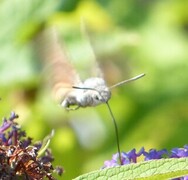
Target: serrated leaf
[154, 169]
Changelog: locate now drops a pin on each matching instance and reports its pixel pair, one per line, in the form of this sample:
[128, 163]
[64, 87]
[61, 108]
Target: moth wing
[94, 66]
[60, 72]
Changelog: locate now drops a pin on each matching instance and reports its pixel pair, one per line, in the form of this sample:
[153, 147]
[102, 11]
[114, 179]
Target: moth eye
[96, 97]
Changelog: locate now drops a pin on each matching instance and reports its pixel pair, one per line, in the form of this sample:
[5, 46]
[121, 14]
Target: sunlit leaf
[155, 169]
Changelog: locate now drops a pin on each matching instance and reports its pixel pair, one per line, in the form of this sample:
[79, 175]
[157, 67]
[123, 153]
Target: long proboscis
[116, 132]
[113, 120]
[127, 81]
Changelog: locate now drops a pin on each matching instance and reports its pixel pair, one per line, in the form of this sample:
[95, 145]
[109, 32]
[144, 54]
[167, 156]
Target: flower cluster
[19, 158]
[132, 156]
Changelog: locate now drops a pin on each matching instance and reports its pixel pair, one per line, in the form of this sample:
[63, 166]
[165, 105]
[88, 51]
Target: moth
[92, 92]
[67, 87]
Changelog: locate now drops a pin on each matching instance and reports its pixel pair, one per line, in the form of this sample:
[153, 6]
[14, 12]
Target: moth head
[100, 97]
[92, 92]
[96, 89]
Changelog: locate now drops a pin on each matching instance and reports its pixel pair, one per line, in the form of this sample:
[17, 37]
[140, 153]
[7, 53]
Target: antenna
[127, 81]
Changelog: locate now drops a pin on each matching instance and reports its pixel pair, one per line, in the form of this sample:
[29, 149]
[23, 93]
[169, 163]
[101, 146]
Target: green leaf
[45, 143]
[154, 169]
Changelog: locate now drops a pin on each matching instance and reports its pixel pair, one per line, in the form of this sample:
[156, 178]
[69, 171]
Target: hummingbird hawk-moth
[67, 87]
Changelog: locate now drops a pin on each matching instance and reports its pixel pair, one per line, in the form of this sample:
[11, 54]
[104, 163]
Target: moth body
[92, 92]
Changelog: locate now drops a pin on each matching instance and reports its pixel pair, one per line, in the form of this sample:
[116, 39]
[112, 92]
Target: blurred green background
[128, 37]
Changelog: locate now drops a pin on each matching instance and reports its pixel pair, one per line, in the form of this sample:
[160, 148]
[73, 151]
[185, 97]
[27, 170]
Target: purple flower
[19, 158]
[132, 157]
[126, 158]
[13, 116]
[7, 123]
[110, 163]
[154, 154]
[179, 152]
[9, 131]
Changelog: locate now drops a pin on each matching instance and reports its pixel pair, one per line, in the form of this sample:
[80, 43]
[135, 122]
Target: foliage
[155, 169]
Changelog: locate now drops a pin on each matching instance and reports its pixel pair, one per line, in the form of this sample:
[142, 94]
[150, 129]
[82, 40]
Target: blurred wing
[93, 62]
[60, 72]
